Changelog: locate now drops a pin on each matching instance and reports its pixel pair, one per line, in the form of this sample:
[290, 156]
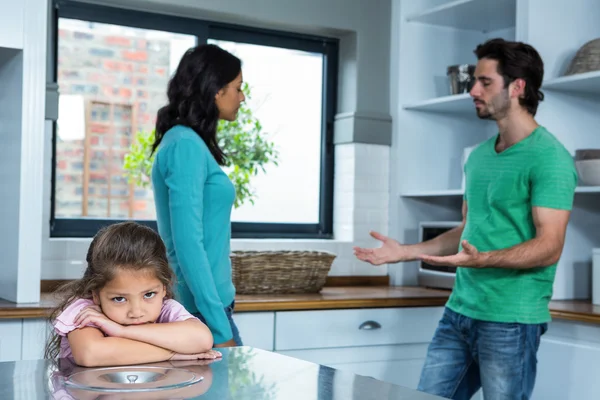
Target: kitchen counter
[335, 297]
[345, 297]
[242, 373]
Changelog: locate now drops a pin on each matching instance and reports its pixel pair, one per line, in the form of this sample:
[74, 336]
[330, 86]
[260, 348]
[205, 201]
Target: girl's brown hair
[126, 245]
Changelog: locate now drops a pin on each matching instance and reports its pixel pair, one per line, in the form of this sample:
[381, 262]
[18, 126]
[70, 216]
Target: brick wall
[128, 75]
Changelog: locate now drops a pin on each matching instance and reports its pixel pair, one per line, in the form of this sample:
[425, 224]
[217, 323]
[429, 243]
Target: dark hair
[125, 245]
[202, 72]
[517, 60]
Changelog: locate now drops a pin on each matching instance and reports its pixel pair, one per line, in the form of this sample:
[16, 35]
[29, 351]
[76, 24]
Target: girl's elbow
[207, 341]
[86, 357]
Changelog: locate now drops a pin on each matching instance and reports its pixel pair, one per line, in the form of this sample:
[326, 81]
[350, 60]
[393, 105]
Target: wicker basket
[586, 59]
[280, 272]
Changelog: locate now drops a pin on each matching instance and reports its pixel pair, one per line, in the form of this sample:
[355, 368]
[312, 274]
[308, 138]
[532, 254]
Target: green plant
[247, 149]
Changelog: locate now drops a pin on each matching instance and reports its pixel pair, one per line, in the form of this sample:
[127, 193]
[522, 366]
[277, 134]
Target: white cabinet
[257, 329]
[11, 24]
[355, 327]
[35, 334]
[389, 344]
[569, 362]
[10, 339]
[23, 339]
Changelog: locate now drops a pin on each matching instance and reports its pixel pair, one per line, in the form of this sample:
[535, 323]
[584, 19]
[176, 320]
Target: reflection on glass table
[243, 373]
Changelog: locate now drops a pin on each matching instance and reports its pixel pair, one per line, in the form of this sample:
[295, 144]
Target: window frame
[203, 30]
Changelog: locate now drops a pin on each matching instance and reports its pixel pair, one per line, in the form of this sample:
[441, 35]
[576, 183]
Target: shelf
[455, 104]
[587, 189]
[460, 192]
[588, 82]
[477, 15]
[435, 193]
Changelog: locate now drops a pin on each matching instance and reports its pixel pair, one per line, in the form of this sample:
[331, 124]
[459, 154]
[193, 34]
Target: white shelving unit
[585, 83]
[477, 15]
[457, 103]
[434, 126]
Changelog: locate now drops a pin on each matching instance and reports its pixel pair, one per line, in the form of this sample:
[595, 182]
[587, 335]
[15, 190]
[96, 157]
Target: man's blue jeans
[467, 354]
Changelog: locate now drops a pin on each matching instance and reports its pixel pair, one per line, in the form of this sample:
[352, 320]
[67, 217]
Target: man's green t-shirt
[501, 189]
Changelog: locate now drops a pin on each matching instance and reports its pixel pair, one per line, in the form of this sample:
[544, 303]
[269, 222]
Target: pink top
[171, 311]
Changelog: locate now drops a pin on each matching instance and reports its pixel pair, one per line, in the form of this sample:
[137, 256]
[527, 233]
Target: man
[519, 192]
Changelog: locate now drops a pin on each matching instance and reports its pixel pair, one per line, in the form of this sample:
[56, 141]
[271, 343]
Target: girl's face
[229, 99]
[132, 297]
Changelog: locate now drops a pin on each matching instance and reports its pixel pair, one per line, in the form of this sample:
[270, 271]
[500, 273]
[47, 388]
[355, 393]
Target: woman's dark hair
[517, 60]
[126, 245]
[202, 72]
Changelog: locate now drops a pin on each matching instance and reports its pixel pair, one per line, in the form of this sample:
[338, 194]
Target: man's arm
[392, 252]
[442, 245]
[543, 250]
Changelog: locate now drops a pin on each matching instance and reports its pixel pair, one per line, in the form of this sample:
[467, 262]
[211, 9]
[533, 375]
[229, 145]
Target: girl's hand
[209, 355]
[94, 316]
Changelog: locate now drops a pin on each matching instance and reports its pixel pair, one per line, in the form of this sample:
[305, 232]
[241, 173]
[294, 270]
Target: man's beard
[500, 106]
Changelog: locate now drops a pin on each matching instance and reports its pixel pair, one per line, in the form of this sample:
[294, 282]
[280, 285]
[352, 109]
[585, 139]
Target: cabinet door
[298, 330]
[257, 329]
[10, 339]
[35, 333]
[568, 362]
[11, 25]
[567, 370]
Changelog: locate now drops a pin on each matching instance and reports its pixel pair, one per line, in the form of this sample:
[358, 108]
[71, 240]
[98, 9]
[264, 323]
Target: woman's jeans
[234, 329]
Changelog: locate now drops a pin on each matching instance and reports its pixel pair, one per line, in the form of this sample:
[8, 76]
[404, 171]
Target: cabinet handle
[369, 325]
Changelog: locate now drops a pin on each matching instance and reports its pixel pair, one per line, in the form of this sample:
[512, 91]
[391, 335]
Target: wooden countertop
[575, 310]
[334, 298]
[345, 297]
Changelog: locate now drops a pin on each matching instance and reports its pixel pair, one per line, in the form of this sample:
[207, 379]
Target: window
[112, 68]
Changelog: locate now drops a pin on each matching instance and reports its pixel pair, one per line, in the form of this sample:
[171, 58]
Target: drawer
[296, 330]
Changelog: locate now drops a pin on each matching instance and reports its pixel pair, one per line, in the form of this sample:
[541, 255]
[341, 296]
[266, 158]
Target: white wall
[22, 86]
[361, 183]
[11, 87]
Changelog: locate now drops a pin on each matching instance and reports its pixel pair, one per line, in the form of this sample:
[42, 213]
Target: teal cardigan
[193, 199]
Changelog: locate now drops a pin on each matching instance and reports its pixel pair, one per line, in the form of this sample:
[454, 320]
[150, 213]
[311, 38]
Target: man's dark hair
[517, 60]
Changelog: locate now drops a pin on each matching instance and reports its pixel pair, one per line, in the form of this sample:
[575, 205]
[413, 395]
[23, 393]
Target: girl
[122, 312]
[193, 195]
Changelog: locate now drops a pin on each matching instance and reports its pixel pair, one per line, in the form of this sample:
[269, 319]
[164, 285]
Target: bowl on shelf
[587, 154]
[586, 59]
[588, 171]
[461, 78]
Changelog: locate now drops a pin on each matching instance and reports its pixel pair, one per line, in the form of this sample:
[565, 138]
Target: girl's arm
[189, 336]
[91, 348]
[186, 337]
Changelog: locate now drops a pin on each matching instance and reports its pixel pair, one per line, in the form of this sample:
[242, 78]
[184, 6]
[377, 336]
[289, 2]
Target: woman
[193, 195]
